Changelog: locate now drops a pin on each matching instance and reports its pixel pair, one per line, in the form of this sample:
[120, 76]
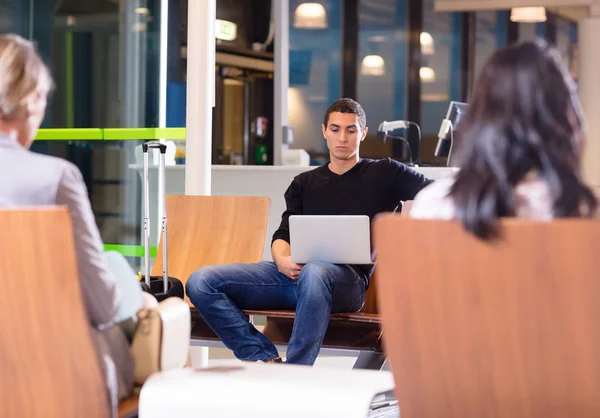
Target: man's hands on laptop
[287, 267]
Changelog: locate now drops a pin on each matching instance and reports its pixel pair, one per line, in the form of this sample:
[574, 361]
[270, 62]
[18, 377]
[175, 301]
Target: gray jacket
[41, 180]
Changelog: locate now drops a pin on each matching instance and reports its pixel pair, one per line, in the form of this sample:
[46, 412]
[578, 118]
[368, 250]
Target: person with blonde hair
[31, 179]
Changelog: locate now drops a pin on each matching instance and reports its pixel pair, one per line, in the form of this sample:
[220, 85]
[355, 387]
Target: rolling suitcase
[161, 287]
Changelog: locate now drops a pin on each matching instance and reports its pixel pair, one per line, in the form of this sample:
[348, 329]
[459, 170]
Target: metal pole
[146, 221]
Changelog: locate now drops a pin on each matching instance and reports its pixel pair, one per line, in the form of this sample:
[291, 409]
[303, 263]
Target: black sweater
[368, 188]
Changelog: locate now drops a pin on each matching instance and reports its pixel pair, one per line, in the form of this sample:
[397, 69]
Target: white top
[532, 197]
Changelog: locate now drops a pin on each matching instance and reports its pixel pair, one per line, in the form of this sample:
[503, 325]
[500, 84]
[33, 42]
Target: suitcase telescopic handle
[163, 209]
[154, 145]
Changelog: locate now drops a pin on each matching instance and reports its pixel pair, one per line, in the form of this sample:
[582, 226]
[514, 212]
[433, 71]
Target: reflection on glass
[381, 88]
[490, 35]
[373, 65]
[315, 75]
[440, 72]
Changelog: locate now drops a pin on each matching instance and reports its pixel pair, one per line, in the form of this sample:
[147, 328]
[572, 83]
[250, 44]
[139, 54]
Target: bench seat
[347, 332]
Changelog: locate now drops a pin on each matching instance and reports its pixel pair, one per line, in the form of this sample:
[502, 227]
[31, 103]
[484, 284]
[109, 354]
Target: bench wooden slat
[351, 317]
[208, 230]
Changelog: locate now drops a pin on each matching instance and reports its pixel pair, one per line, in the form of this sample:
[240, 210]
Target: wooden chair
[47, 361]
[209, 230]
[502, 329]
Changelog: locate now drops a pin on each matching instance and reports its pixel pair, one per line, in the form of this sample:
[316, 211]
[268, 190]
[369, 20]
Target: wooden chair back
[208, 230]
[503, 329]
[371, 305]
[47, 361]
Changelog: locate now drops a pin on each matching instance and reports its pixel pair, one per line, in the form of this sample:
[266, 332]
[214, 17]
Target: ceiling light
[528, 14]
[427, 74]
[377, 38]
[427, 45]
[310, 16]
[372, 65]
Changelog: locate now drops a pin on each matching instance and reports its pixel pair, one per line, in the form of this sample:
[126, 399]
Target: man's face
[344, 135]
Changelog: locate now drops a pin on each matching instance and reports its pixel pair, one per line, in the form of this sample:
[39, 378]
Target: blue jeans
[220, 292]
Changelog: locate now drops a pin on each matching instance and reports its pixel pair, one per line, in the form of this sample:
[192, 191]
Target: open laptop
[337, 239]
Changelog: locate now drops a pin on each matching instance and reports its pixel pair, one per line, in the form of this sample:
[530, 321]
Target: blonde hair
[23, 74]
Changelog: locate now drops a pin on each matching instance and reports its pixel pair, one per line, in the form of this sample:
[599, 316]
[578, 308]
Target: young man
[346, 185]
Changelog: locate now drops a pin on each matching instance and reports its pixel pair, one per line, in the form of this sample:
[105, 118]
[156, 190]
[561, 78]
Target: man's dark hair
[347, 106]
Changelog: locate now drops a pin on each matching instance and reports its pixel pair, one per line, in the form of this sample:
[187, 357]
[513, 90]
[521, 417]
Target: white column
[589, 91]
[162, 72]
[200, 95]
[282, 74]
[200, 102]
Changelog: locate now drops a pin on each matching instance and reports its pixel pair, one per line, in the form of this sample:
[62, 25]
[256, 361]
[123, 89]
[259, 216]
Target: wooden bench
[48, 363]
[507, 329]
[209, 230]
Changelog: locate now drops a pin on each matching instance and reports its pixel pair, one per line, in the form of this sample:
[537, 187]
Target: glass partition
[315, 72]
[105, 60]
[382, 68]
[441, 66]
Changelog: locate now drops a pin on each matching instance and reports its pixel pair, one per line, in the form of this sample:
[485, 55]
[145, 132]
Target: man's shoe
[271, 360]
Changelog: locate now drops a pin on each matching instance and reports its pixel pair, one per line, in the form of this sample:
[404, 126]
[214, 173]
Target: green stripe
[133, 134]
[72, 134]
[170, 133]
[130, 250]
[129, 134]
[110, 134]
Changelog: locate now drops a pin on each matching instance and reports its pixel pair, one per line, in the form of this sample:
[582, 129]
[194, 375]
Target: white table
[255, 390]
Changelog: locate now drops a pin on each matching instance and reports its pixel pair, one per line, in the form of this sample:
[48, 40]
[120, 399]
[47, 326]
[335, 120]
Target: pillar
[589, 91]
[282, 75]
[200, 102]
[200, 96]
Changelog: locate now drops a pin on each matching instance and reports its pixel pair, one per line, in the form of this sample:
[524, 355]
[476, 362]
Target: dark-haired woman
[519, 148]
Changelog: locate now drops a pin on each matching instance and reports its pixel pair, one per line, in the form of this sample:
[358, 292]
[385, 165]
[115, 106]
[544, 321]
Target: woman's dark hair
[524, 118]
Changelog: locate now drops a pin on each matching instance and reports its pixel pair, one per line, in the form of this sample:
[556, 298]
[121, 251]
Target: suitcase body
[161, 287]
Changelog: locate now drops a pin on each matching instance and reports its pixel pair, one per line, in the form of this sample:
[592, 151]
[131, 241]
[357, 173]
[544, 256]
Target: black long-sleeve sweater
[368, 188]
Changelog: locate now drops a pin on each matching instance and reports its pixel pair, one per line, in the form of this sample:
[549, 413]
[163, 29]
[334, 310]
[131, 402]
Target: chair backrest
[371, 305]
[475, 329]
[207, 230]
[47, 361]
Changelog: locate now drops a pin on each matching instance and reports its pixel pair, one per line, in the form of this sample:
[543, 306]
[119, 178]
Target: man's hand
[281, 252]
[288, 268]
